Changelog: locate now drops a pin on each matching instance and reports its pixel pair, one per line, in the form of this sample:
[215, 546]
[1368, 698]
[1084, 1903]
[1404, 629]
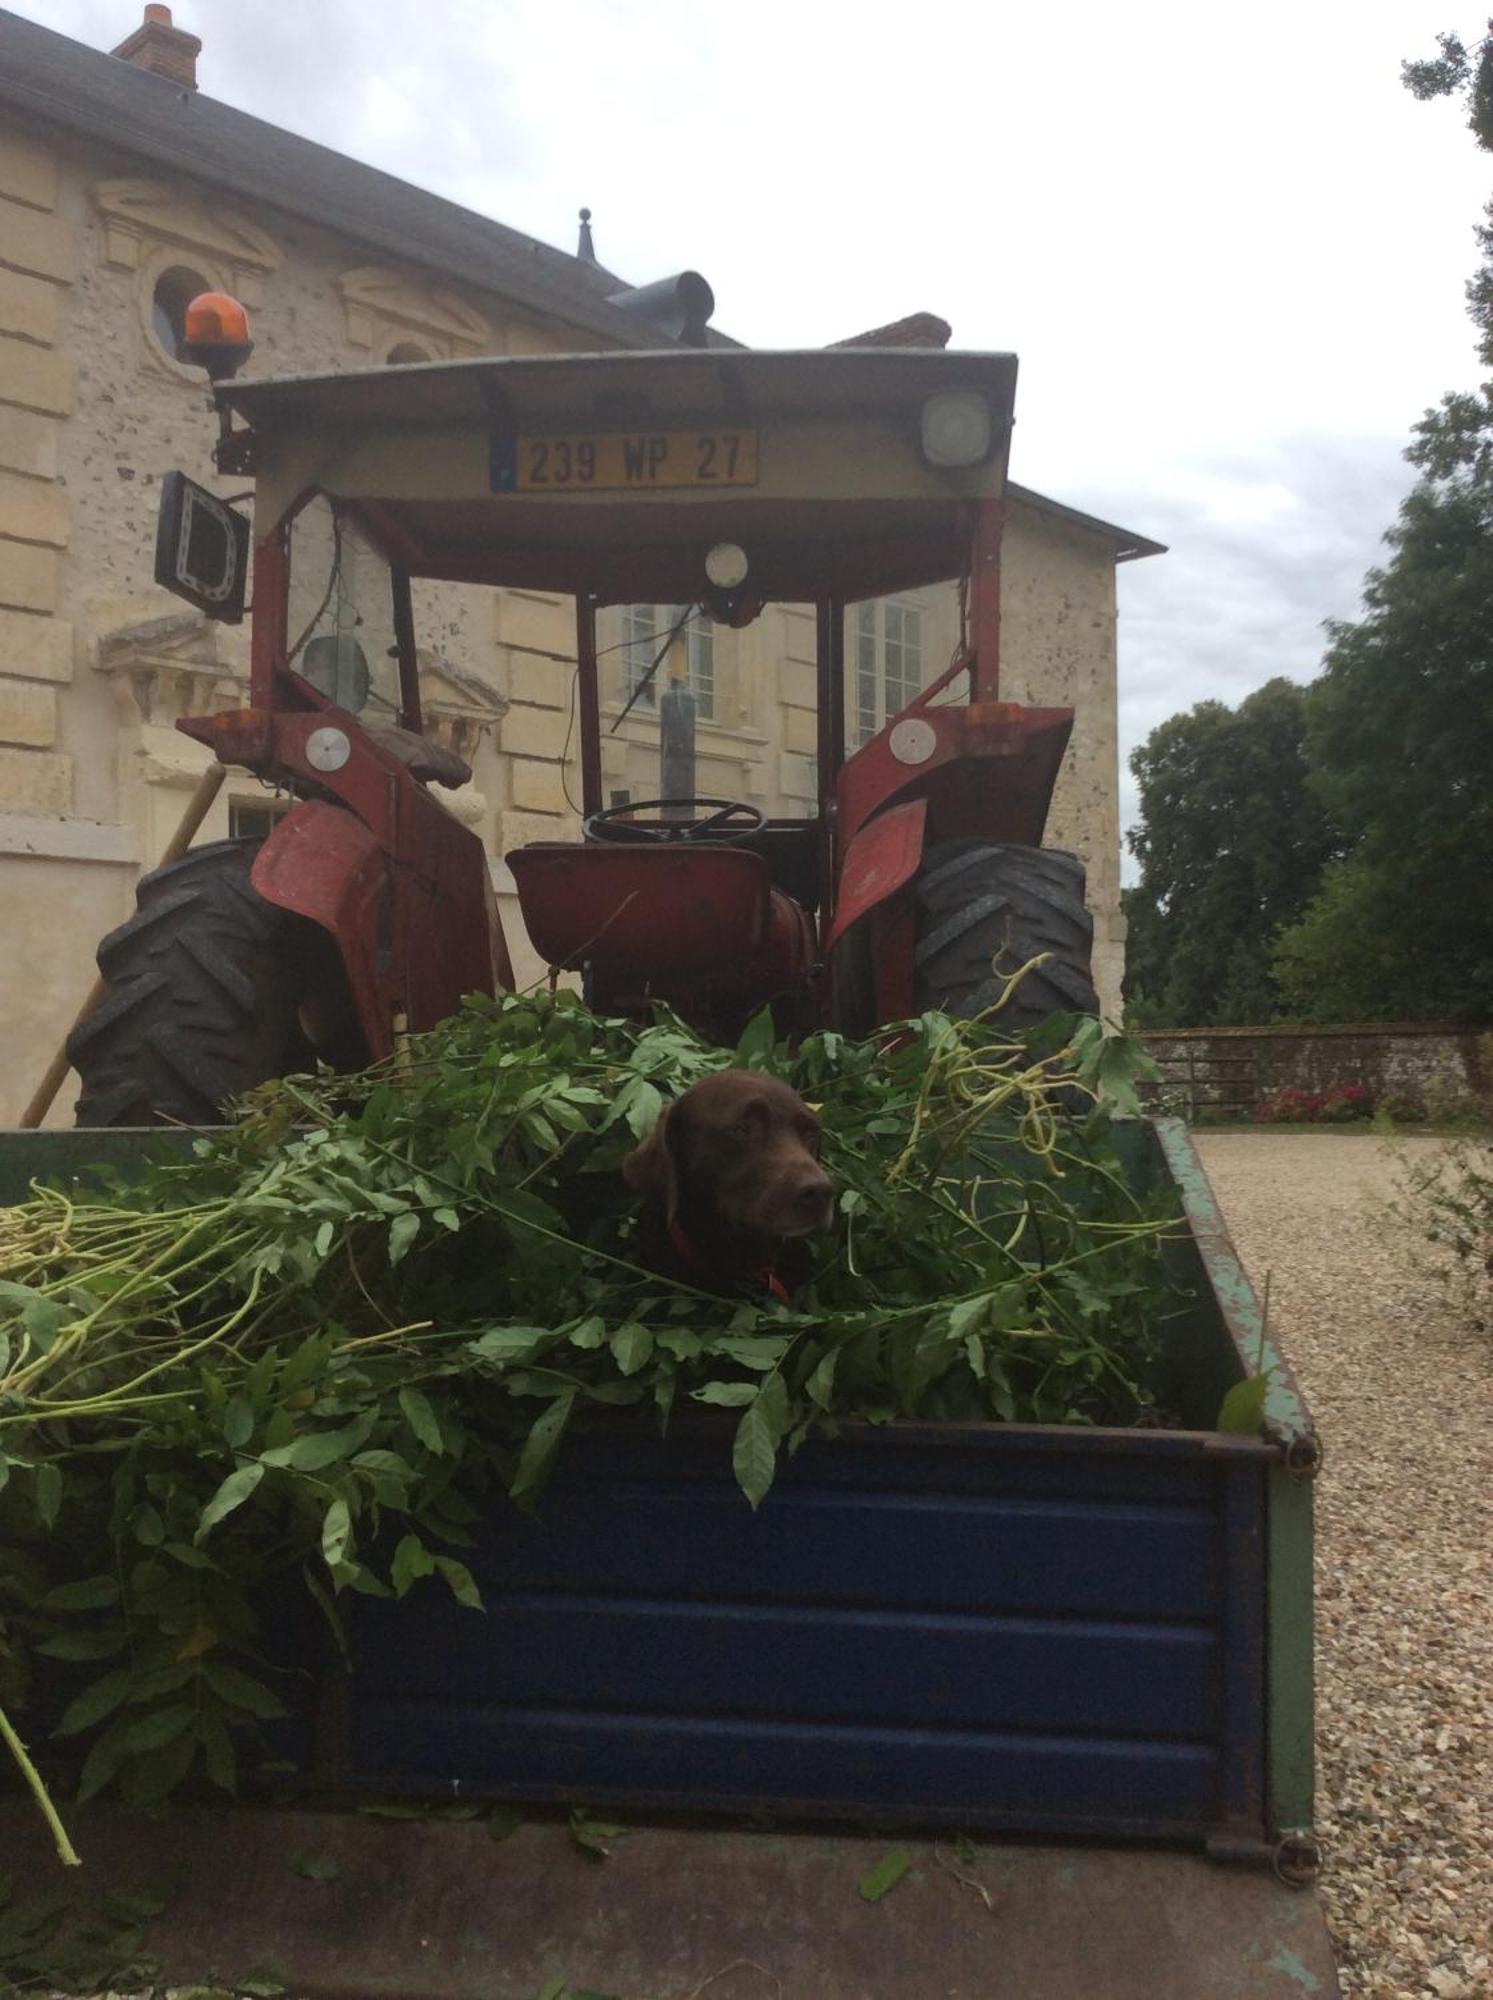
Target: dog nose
[814, 1198]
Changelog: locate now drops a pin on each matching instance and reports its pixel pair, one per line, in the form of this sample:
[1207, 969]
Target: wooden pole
[198, 808]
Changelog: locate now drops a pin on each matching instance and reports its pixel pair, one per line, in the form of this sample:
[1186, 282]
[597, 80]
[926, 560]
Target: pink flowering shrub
[1338, 1105]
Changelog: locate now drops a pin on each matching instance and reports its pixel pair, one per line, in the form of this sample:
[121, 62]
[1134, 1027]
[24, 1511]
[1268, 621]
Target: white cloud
[1227, 245]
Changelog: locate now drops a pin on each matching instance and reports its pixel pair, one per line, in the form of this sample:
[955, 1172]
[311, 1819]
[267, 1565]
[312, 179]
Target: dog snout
[811, 1201]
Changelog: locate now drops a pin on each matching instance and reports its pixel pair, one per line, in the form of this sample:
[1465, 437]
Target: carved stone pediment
[166, 667]
[459, 707]
[385, 306]
[142, 214]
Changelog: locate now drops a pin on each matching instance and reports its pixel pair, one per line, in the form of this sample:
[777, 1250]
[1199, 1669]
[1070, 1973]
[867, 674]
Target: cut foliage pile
[316, 1347]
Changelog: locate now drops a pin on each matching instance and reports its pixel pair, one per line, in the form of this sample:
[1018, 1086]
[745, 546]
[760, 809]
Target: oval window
[174, 292]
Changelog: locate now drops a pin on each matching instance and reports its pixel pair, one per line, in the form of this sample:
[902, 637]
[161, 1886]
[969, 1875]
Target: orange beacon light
[217, 335]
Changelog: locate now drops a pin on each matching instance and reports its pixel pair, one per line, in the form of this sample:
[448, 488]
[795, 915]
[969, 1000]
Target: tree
[1232, 841]
[1400, 734]
[1401, 720]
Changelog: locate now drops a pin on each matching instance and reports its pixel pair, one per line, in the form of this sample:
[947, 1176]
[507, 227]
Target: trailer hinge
[1301, 1452]
[1298, 1857]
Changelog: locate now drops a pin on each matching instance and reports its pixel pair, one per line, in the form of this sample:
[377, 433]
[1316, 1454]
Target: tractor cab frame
[720, 480]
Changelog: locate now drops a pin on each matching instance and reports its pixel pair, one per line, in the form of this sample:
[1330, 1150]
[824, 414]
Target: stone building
[123, 191]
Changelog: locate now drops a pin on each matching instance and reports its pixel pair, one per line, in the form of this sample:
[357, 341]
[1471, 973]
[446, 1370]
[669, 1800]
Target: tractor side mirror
[202, 549]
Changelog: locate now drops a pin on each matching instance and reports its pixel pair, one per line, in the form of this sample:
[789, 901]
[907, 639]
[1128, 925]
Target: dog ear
[649, 1168]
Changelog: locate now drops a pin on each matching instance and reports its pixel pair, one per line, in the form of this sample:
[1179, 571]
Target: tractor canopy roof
[842, 473]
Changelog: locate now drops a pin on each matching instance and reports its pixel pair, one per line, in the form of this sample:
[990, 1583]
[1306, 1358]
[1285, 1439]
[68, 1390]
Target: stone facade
[97, 664]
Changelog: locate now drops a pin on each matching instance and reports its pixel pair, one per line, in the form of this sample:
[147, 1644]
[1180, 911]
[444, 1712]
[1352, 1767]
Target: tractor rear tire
[204, 986]
[983, 911]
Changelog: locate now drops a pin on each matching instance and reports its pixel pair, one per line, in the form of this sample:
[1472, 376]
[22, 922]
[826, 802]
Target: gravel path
[1401, 1388]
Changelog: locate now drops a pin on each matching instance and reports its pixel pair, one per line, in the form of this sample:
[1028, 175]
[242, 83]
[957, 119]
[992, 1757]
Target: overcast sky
[1227, 245]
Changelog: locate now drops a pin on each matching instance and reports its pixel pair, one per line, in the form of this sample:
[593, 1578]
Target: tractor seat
[654, 914]
[430, 762]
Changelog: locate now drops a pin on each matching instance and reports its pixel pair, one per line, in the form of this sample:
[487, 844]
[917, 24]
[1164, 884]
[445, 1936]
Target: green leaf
[388, 1463]
[631, 1346]
[640, 1103]
[98, 1699]
[520, 1206]
[316, 1450]
[103, 1760]
[885, 1876]
[463, 1585]
[218, 1754]
[240, 1691]
[238, 1422]
[727, 1395]
[48, 1493]
[762, 1352]
[754, 1456]
[402, 1233]
[233, 1492]
[85, 1645]
[505, 1346]
[336, 1531]
[127, 1906]
[1243, 1409]
[541, 1445]
[756, 1043]
[43, 1318]
[965, 1315]
[422, 1419]
[188, 1557]
[594, 1835]
[591, 1332]
[315, 1867]
[154, 1731]
[820, 1386]
[412, 1560]
[91, 1593]
[681, 1343]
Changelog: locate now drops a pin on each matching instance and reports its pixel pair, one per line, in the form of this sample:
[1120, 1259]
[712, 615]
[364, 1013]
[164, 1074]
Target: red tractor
[719, 480]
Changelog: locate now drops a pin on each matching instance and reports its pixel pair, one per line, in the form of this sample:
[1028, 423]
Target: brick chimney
[160, 48]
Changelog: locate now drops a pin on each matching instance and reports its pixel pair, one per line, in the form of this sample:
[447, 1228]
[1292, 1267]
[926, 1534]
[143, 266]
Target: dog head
[738, 1153]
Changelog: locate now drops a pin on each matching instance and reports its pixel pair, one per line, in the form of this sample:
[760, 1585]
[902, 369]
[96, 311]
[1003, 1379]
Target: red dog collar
[764, 1276]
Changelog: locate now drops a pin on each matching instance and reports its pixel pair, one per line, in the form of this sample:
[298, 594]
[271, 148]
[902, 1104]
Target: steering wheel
[729, 821]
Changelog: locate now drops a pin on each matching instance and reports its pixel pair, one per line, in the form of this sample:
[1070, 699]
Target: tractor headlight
[726, 566]
[956, 428]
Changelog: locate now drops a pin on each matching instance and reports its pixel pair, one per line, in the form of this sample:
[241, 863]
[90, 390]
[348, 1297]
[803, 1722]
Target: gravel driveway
[1402, 1392]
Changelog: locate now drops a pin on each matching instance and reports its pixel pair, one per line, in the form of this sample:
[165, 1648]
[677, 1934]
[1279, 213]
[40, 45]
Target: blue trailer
[1094, 1643]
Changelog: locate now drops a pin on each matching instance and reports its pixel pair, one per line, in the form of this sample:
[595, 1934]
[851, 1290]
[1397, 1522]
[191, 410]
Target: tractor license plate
[597, 461]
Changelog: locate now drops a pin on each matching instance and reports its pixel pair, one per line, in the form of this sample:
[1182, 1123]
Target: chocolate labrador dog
[730, 1176]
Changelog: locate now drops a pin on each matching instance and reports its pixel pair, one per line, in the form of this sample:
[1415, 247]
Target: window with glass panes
[888, 661]
[644, 629]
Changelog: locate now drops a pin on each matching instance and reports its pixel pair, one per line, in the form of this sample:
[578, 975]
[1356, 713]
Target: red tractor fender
[882, 858]
[987, 770]
[322, 863]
